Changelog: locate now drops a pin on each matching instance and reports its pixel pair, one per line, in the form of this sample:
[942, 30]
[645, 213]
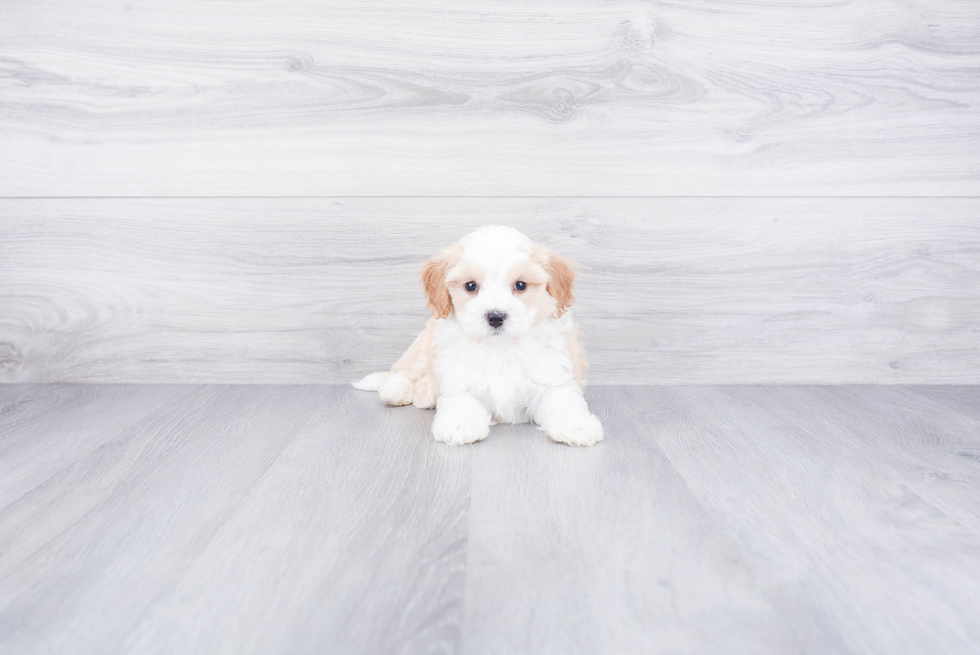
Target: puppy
[500, 347]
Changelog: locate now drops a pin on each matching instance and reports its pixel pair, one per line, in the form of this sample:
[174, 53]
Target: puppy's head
[496, 283]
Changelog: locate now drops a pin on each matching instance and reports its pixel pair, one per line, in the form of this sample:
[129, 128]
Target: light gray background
[228, 192]
[756, 192]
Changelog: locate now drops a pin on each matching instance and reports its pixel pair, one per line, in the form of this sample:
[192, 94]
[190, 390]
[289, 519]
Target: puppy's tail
[371, 382]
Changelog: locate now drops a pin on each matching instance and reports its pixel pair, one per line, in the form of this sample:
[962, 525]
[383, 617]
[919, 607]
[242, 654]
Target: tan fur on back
[417, 360]
[416, 364]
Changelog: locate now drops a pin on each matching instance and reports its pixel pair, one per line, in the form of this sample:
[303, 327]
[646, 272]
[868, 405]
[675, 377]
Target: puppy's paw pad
[576, 430]
[458, 430]
[397, 390]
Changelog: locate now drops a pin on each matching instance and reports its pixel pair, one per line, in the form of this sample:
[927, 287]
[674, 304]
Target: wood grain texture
[213, 511]
[823, 484]
[263, 519]
[743, 519]
[688, 290]
[606, 550]
[183, 97]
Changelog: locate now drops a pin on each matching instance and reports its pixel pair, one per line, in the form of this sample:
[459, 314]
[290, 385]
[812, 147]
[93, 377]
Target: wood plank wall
[240, 192]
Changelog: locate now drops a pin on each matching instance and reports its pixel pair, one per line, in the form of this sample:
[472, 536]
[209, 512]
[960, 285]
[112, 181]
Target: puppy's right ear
[434, 280]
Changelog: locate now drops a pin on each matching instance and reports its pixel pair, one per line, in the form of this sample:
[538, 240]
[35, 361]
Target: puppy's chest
[505, 384]
[507, 379]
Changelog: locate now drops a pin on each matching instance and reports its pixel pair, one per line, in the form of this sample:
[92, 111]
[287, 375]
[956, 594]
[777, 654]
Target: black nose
[496, 319]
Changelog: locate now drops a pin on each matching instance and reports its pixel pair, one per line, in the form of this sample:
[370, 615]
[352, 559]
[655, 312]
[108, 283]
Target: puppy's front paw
[426, 392]
[397, 390]
[458, 429]
[576, 430]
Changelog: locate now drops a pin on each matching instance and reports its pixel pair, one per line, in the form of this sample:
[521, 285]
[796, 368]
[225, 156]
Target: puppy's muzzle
[496, 319]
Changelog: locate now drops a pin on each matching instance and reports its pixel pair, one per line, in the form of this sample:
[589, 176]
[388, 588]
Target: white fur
[521, 372]
[371, 382]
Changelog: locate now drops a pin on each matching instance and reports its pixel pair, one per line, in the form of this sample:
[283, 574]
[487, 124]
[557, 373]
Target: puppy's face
[497, 284]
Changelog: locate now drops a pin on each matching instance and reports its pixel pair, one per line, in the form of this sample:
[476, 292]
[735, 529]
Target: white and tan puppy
[501, 346]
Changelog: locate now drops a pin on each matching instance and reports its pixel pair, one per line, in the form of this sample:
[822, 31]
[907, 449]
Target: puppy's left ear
[434, 270]
[560, 278]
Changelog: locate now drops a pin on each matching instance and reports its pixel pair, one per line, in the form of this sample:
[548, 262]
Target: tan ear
[560, 279]
[434, 270]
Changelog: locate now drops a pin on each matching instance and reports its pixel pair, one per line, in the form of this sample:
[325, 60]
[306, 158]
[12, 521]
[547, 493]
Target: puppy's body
[501, 347]
[507, 375]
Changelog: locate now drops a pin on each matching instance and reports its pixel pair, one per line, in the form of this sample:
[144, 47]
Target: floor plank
[241, 506]
[607, 550]
[372, 98]
[56, 426]
[852, 549]
[933, 448]
[670, 290]
[251, 519]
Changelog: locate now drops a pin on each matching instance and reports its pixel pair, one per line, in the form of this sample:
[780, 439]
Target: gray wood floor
[311, 519]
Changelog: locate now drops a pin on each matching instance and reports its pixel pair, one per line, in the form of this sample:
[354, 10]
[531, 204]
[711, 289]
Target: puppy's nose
[495, 318]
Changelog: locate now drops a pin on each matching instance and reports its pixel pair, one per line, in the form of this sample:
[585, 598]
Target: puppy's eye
[470, 286]
[520, 285]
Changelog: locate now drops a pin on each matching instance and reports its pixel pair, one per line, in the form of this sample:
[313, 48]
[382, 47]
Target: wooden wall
[321, 290]
[241, 191]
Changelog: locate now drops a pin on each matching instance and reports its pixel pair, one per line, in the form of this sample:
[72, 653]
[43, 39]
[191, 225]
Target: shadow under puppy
[501, 346]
